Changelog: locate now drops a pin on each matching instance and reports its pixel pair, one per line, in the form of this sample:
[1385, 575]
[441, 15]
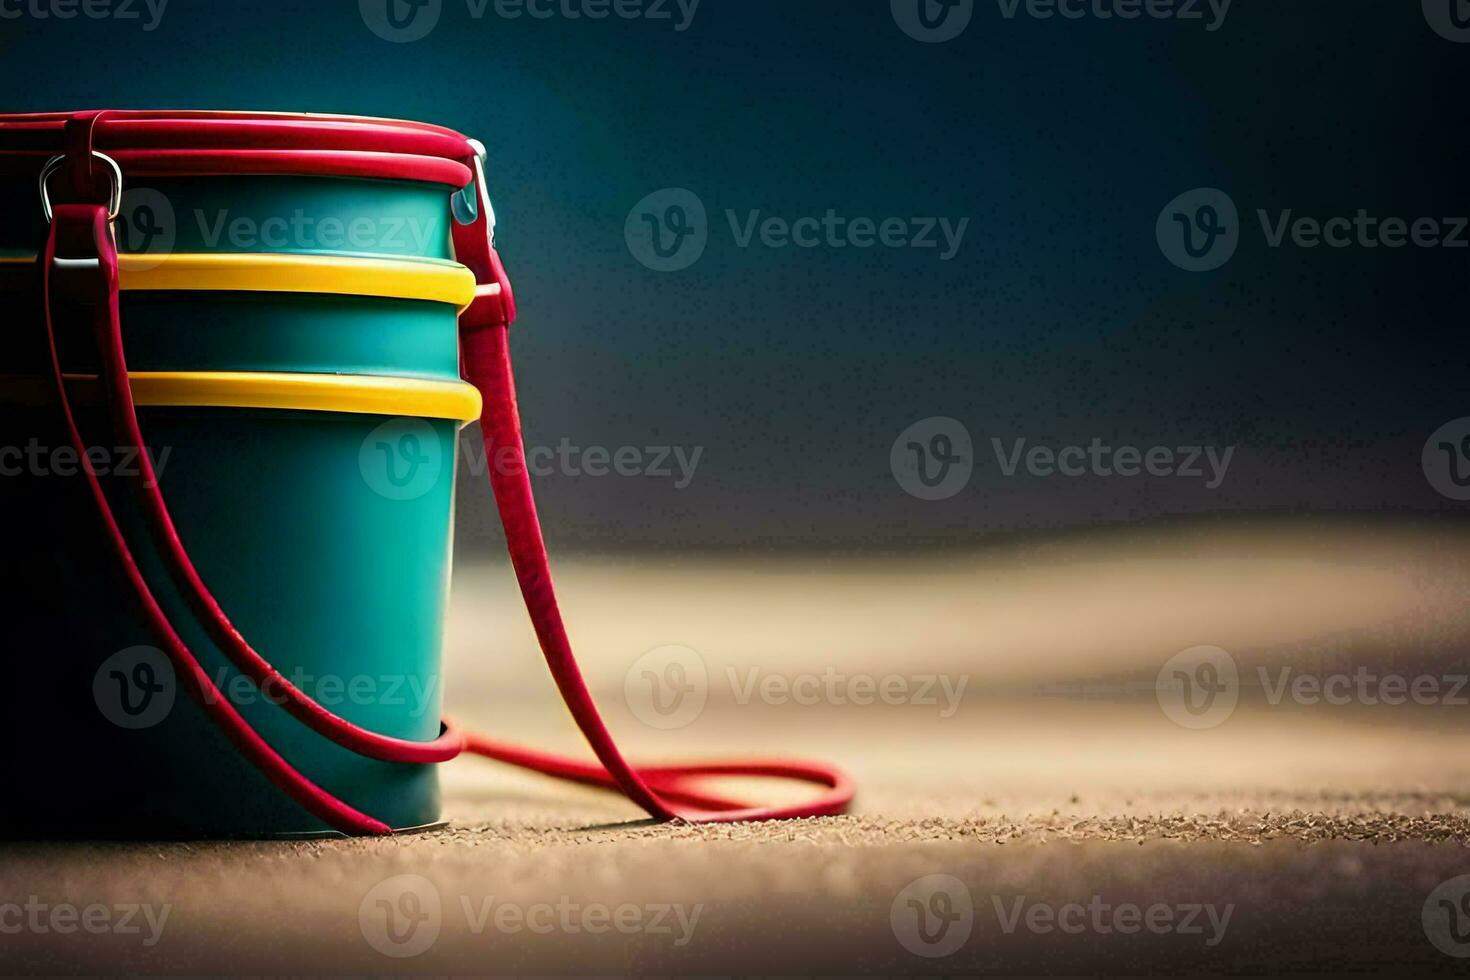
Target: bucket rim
[151, 142]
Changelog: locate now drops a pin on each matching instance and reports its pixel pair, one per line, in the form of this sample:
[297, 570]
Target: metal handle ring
[483, 189]
[114, 197]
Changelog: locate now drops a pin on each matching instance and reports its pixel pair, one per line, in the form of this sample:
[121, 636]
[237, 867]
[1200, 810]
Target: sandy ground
[1073, 825]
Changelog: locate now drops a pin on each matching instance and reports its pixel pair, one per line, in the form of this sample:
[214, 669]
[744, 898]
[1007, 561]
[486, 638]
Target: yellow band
[434, 280]
[354, 394]
[358, 394]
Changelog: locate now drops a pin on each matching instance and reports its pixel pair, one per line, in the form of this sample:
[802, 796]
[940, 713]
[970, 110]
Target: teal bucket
[302, 401]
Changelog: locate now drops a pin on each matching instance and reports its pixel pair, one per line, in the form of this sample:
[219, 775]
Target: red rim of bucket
[193, 142]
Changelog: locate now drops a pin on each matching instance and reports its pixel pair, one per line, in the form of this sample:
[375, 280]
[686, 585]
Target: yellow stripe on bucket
[358, 394]
[353, 394]
[433, 280]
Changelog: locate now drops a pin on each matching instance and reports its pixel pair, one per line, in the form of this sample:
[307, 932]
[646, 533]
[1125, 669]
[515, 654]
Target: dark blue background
[1059, 319]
